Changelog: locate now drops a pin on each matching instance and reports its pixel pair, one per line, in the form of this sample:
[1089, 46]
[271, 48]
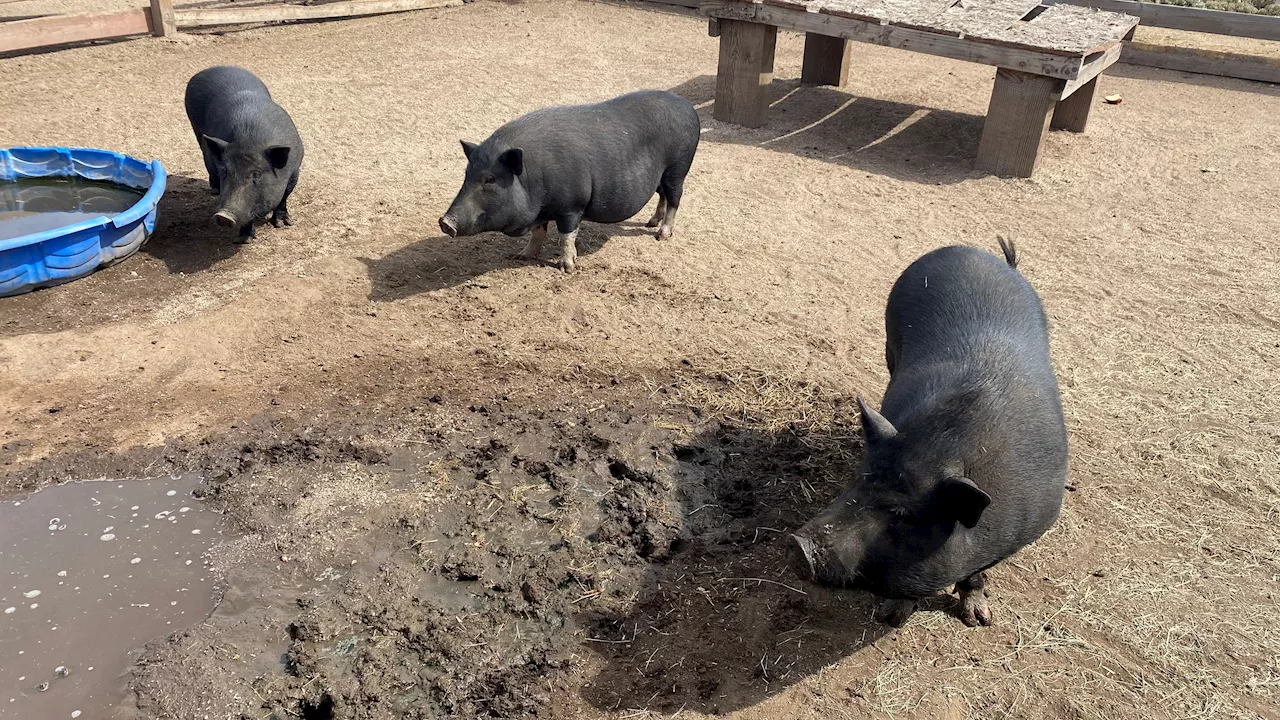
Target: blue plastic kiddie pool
[65, 212]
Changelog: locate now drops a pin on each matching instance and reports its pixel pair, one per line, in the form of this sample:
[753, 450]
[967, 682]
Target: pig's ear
[278, 156]
[960, 499]
[874, 425]
[468, 148]
[217, 147]
[513, 160]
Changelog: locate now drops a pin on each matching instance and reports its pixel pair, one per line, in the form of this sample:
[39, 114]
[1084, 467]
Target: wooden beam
[1208, 62]
[196, 17]
[745, 72]
[162, 24]
[1093, 67]
[62, 29]
[1178, 17]
[826, 60]
[1072, 113]
[1050, 65]
[1017, 121]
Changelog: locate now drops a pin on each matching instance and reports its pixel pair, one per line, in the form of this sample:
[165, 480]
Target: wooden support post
[826, 60]
[1017, 121]
[162, 20]
[745, 72]
[1072, 112]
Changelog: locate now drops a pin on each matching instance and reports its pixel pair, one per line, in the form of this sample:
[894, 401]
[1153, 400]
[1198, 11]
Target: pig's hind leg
[671, 190]
[974, 610]
[658, 214]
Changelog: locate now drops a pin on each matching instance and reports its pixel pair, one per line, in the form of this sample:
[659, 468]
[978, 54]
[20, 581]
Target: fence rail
[162, 19]
[1178, 17]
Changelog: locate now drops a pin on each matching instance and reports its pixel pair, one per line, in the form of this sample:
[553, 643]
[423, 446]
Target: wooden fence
[1176, 17]
[162, 19]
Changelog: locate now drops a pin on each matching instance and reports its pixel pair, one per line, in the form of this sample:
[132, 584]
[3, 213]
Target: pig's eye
[489, 180]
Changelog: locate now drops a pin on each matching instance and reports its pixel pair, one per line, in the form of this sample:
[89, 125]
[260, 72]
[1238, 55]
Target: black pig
[251, 148]
[599, 162]
[967, 460]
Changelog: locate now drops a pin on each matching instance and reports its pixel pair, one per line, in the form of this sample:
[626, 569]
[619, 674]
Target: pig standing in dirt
[251, 148]
[599, 162]
[967, 460]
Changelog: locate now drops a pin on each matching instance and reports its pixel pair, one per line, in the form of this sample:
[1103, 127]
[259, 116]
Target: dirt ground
[470, 486]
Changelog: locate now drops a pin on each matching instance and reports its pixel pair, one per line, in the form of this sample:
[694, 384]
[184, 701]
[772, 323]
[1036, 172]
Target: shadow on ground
[906, 142]
[723, 623]
[186, 239]
[439, 261]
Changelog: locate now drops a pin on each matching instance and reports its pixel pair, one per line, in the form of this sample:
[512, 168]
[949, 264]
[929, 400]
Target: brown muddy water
[36, 205]
[90, 572]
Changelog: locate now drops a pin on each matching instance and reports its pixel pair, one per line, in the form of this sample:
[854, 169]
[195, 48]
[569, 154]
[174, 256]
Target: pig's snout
[448, 226]
[225, 219]
[801, 554]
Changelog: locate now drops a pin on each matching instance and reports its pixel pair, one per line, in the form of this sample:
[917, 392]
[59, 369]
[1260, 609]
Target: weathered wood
[162, 23]
[826, 60]
[713, 27]
[745, 72]
[1063, 29]
[196, 17]
[62, 29]
[976, 16]
[1094, 65]
[1177, 17]
[680, 3]
[1207, 62]
[1048, 64]
[1072, 113]
[1017, 121]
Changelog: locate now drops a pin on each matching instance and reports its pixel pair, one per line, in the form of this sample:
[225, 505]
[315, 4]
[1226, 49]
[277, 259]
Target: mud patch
[88, 573]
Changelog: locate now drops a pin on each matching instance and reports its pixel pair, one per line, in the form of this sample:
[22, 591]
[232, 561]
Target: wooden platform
[1048, 58]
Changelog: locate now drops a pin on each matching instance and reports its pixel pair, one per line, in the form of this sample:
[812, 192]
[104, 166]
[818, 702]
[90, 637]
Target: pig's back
[215, 95]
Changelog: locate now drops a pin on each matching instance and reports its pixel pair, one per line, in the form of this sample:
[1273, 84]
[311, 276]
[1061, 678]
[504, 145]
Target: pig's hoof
[895, 612]
[974, 610]
[524, 255]
[566, 265]
[665, 234]
[281, 219]
[654, 221]
[215, 191]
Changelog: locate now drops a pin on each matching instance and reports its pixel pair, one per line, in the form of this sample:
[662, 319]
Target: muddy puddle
[36, 205]
[89, 572]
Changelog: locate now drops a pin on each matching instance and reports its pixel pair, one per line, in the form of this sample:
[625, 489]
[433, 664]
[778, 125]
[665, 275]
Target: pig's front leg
[568, 227]
[974, 610]
[281, 214]
[534, 246]
[247, 232]
[895, 612]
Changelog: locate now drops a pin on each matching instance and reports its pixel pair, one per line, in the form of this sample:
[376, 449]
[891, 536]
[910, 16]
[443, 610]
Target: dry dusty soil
[469, 486]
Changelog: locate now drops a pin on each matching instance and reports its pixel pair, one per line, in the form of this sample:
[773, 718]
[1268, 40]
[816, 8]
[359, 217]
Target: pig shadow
[439, 261]
[186, 239]
[722, 622]
[906, 142]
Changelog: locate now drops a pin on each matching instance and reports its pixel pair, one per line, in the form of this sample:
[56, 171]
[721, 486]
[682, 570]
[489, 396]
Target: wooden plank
[196, 17]
[162, 23]
[62, 29]
[745, 72]
[1064, 29]
[679, 3]
[1040, 63]
[1093, 67]
[826, 60]
[971, 16]
[1072, 113]
[1177, 17]
[1207, 62]
[1017, 121]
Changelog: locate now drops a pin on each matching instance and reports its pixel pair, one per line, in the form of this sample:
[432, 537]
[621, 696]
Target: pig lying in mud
[251, 148]
[599, 162]
[967, 459]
